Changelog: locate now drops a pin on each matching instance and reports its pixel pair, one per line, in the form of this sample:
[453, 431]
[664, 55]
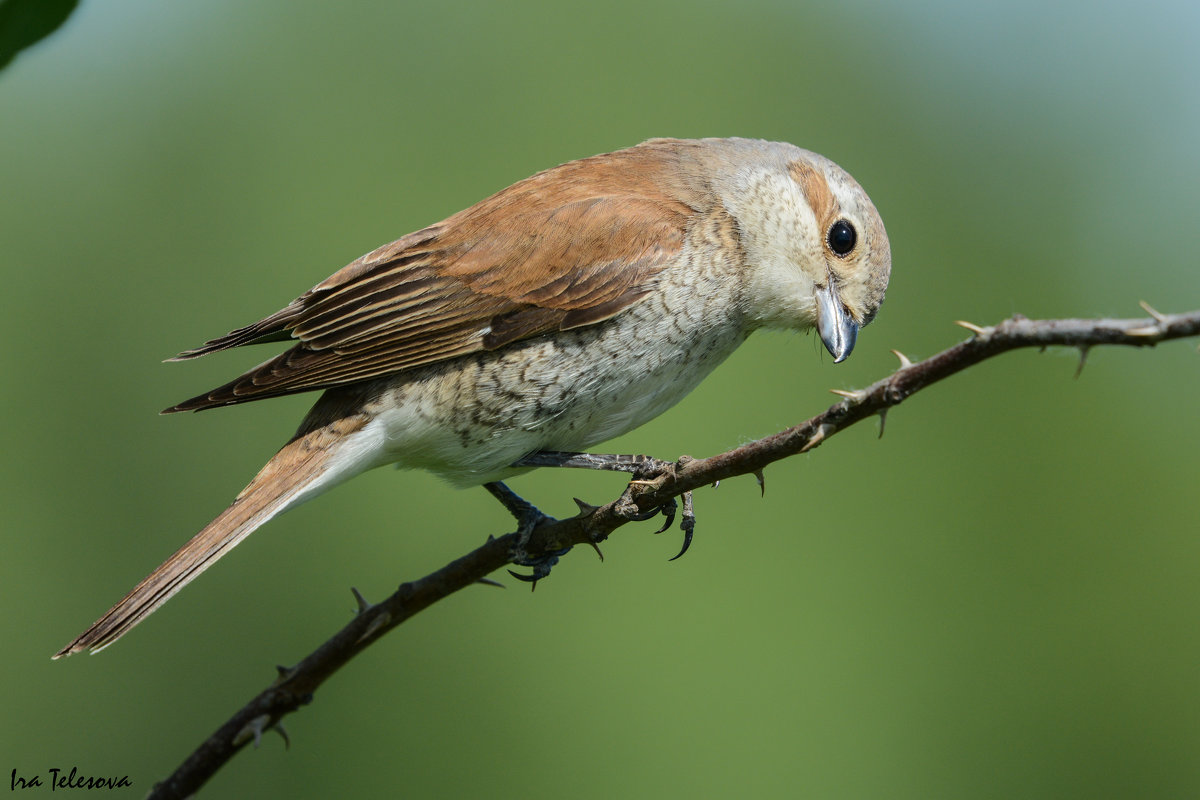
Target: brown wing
[567, 247]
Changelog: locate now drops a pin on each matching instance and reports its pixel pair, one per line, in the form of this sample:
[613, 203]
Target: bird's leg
[633, 464]
[644, 469]
[528, 518]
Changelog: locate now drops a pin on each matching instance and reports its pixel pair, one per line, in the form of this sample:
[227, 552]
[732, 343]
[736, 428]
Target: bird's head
[817, 254]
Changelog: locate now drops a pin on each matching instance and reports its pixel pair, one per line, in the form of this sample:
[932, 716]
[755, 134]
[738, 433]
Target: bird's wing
[568, 247]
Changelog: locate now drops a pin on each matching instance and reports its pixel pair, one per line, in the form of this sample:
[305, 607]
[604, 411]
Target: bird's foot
[645, 471]
[687, 523]
[528, 517]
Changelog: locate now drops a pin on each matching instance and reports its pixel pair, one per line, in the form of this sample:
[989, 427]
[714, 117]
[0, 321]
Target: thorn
[596, 547]
[818, 437]
[1159, 317]
[642, 482]
[363, 605]
[856, 396]
[882, 421]
[1083, 354]
[490, 582]
[762, 482]
[374, 625]
[284, 672]
[584, 508]
[904, 362]
[252, 730]
[971, 326]
[282, 731]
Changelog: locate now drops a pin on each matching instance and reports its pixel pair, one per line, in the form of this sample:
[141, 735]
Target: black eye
[842, 237]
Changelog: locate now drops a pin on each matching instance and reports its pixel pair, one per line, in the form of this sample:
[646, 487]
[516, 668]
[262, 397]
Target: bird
[558, 313]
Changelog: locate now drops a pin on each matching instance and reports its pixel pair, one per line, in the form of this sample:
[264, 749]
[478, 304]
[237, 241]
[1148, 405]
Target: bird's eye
[842, 237]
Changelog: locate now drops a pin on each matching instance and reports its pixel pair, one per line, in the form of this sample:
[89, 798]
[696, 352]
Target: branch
[295, 685]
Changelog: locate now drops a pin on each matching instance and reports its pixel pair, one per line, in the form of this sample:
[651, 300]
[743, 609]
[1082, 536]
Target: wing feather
[568, 247]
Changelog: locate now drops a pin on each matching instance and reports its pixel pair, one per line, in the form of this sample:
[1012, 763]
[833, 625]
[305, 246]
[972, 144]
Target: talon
[282, 731]
[642, 516]
[687, 525]
[541, 566]
[668, 510]
[528, 520]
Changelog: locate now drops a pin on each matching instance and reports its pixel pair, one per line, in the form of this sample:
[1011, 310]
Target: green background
[997, 599]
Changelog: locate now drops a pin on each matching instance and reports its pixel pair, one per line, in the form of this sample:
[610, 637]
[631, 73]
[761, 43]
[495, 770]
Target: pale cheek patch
[778, 225]
[784, 247]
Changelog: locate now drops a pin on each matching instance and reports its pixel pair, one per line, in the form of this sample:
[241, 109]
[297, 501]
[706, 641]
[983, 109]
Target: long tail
[311, 463]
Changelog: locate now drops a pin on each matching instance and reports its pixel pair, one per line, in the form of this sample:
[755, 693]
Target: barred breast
[469, 419]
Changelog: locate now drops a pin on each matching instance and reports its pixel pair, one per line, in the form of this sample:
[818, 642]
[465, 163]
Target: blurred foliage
[997, 599]
[25, 22]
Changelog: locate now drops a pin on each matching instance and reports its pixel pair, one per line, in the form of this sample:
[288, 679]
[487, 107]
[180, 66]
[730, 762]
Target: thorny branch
[295, 685]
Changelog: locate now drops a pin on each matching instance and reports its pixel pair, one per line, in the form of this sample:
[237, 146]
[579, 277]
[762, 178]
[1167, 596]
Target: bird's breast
[469, 419]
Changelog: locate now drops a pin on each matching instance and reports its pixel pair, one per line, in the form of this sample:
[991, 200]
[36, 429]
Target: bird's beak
[837, 330]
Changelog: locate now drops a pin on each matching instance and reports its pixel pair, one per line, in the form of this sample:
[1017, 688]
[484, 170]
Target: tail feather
[303, 468]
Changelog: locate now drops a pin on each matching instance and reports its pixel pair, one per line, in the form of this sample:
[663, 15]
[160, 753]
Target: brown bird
[565, 310]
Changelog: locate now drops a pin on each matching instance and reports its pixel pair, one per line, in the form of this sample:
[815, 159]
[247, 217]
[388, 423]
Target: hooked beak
[837, 330]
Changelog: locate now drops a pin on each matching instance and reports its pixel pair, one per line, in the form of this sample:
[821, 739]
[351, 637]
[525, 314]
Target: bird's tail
[311, 463]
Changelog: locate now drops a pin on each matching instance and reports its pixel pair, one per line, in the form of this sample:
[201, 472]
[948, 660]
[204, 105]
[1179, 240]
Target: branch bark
[296, 685]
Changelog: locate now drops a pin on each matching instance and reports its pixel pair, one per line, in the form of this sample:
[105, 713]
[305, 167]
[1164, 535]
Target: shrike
[560, 312]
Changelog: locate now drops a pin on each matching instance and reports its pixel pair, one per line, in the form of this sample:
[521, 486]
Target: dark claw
[541, 567]
[687, 524]
[528, 518]
[645, 515]
[641, 468]
[668, 510]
